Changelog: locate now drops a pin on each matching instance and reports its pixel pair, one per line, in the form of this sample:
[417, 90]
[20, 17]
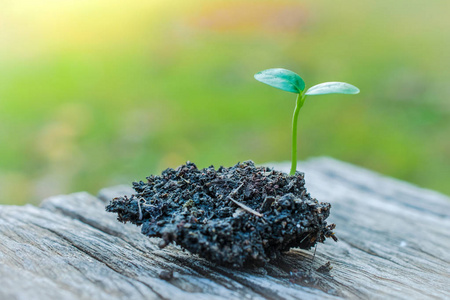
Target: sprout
[291, 82]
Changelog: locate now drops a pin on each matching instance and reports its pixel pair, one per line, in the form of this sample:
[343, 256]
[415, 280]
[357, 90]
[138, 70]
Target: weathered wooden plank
[394, 240]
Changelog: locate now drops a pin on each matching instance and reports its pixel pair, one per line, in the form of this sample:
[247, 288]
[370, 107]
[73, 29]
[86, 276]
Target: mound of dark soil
[231, 216]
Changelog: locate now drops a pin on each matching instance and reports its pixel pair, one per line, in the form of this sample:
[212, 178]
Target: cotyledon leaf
[332, 88]
[282, 79]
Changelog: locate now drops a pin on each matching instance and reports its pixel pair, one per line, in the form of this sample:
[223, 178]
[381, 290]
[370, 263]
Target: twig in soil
[243, 206]
[235, 190]
[246, 208]
[305, 238]
[140, 209]
[144, 203]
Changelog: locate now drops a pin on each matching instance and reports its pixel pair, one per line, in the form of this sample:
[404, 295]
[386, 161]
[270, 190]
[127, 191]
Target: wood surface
[394, 241]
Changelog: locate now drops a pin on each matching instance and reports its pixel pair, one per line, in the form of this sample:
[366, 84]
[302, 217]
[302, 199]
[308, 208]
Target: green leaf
[282, 79]
[332, 88]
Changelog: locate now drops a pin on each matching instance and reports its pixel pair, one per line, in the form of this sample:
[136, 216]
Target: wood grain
[394, 244]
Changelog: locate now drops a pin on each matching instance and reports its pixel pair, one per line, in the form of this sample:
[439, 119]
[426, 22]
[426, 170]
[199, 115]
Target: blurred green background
[98, 93]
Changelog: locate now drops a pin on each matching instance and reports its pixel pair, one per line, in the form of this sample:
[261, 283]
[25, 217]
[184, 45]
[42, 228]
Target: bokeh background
[98, 93]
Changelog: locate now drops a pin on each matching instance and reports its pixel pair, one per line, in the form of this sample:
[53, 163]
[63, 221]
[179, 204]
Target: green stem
[298, 105]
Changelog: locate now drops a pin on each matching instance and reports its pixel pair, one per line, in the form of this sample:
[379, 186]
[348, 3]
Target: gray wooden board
[394, 244]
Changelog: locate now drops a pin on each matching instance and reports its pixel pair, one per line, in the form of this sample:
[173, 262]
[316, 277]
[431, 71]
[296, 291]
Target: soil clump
[230, 216]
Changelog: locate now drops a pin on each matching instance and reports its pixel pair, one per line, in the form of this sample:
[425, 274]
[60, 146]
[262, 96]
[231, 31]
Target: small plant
[206, 210]
[291, 82]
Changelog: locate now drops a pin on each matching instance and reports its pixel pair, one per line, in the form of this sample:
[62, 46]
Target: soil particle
[166, 275]
[325, 268]
[230, 216]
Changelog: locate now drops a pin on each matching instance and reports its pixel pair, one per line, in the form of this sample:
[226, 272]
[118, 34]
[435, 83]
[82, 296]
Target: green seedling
[291, 82]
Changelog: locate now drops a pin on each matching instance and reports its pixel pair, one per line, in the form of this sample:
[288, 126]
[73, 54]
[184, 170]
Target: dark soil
[230, 216]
